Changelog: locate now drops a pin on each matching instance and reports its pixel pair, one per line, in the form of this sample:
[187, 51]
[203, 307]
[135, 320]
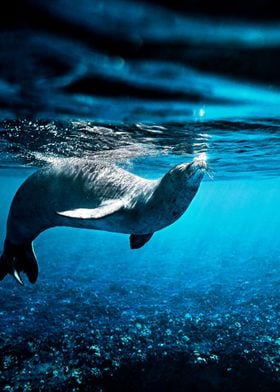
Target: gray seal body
[93, 195]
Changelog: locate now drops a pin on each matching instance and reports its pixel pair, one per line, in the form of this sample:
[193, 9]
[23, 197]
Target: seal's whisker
[210, 172]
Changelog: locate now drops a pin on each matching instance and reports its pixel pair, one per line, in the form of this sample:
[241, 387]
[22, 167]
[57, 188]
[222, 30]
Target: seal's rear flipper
[137, 240]
[3, 268]
[16, 259]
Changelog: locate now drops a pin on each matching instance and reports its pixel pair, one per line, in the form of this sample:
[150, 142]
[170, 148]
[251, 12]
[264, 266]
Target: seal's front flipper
[16, 259]
[107, 208]
[137, 240]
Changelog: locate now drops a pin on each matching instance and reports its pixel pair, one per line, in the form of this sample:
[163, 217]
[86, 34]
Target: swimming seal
[93, 195]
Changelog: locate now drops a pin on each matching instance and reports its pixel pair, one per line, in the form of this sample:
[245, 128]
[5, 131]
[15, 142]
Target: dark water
[137, 62]
[146, 86]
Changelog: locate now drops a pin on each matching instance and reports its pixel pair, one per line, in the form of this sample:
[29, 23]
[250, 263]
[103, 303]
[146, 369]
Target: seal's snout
[196, 170]
[200, 162]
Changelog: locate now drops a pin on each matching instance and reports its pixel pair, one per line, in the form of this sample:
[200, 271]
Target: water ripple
[234, 148]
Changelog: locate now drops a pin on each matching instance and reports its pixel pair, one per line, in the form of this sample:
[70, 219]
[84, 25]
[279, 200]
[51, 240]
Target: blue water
[146, 86]
[202, 296]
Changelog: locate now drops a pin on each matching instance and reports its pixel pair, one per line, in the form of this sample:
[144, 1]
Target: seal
[93, 195]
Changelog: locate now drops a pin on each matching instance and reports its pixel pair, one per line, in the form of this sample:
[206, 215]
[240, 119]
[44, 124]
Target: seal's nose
[200, 162]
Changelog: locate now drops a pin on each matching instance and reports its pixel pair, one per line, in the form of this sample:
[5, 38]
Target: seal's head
[191, 173]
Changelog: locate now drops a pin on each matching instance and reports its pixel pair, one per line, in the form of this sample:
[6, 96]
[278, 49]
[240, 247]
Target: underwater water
[197, 308]
[146, 86]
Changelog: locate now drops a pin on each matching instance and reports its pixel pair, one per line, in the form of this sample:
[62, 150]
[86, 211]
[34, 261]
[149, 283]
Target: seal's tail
[16, 259]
